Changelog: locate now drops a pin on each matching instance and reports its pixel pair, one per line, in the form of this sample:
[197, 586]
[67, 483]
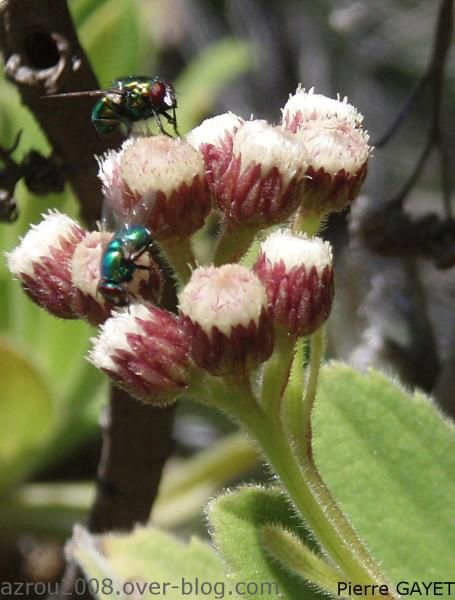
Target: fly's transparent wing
[111, 220]
[94, 93]
[122, 211]
[114, 87]
[108, 226]
[141, 211]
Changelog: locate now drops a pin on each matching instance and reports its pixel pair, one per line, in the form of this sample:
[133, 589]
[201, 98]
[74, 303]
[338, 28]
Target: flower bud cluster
[254, 175]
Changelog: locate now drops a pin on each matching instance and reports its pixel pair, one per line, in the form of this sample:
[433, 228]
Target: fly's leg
[150, 270]
[142, 251]
[174, 123]
[156, 116]
[172, 119]
[150, 283]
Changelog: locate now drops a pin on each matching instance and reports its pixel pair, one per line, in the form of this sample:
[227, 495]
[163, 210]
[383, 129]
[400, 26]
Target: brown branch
[123, 498]
[43, 56]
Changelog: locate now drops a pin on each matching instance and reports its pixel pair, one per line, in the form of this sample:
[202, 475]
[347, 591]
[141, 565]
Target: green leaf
[26, 415]
[44, 509]
[186, 486]
[150, 556]
[237, 519]
[292, 554]
[112, 37]
[206, 76]
[389, 460]
[82, 9]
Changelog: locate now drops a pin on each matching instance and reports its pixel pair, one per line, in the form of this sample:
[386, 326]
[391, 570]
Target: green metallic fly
[119, 262]
[131, 99]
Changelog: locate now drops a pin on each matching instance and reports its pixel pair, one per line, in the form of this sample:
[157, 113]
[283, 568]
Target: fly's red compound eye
[157, 92]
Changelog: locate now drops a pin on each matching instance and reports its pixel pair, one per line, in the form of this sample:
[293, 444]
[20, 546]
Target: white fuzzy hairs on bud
[297, 250]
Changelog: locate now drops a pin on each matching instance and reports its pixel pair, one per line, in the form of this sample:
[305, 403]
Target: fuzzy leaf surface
[237, 519]
[389, 459]
[132, 562]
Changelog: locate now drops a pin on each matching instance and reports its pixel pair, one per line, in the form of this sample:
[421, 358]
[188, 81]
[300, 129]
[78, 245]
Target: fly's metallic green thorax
[118, 263]
[135, 237]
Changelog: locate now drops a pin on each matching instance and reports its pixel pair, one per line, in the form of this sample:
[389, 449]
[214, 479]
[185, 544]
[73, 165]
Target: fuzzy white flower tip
[109, 165]
[297, 251]
[213, 130]
[223, 297]
[160, 163]
[163, 180]
[53, 232]
[261, 143]
[227, 320]
[305, 108]
[336, 148]
[113, 335]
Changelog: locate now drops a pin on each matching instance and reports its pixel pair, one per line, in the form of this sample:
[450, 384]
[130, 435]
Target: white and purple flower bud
[297, 274]
[214, 138]
[42, 263]
[162, 180]
[337, 147]
[227, 319]
[262, 183]
[144, 350]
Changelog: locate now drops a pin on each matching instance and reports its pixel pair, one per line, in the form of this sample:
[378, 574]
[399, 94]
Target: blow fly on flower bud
[119, 262]
[131, 99]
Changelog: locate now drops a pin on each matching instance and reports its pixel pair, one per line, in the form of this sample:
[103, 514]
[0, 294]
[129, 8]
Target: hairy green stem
[299, 559]
[276, 371]
[317, 508]
[306, 223]
[233, 244]
[179, 253]
[297, 412]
